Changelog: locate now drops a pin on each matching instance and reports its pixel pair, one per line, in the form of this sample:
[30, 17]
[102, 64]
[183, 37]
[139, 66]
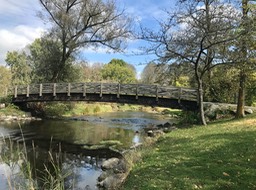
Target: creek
[79, 142]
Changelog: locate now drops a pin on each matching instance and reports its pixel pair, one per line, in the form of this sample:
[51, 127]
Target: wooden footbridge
[152, 95]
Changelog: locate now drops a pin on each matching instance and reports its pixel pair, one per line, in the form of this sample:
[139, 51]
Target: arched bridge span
[152, 95]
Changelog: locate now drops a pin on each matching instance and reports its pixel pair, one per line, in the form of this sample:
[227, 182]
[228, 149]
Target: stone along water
[78, 146]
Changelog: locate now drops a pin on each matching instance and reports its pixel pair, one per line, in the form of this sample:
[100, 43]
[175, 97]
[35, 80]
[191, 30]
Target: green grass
[218, 156]
[11, 110]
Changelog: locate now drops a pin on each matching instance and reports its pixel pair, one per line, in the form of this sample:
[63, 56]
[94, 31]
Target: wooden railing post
[69, 88]
[137, 90]
[27, 91]
[40, 90]
[15, 91]
[84, 90]
[180, 93]
[118, 90]
[54, 89]
[157, 93]
[101, 89]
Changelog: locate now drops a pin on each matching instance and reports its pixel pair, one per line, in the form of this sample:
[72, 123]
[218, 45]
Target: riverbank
[221, 155]
[13, 113]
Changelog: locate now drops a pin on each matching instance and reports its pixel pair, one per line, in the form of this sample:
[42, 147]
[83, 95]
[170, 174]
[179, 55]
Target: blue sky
[19, 26]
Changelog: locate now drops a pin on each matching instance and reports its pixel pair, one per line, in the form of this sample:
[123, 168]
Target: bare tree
[84, 23]
[200, 33]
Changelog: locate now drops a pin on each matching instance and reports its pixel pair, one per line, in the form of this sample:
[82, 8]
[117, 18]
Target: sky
[19, 26]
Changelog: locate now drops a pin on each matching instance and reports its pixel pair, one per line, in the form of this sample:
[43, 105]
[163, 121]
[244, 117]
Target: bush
[96, 109]
[189, 117]
[56, 109]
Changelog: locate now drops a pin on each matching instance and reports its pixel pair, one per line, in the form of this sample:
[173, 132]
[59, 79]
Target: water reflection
[136, 139]
[70, 145]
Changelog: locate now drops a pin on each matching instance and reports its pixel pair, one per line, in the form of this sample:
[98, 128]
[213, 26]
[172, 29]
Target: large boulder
[114, 172]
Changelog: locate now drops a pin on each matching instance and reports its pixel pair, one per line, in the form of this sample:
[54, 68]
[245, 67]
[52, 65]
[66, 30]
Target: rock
[114, 172]
[160, 126]
[167, 125]
[248, 111]
[108, 183]
[150, 133]
[137, 145]
[2, 106]
[109, 164]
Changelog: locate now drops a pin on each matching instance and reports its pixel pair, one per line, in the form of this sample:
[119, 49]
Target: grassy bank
[80, 108]
[218, 156]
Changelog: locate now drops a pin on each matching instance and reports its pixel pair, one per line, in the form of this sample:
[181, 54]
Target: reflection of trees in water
[53, 165]
[82, 132]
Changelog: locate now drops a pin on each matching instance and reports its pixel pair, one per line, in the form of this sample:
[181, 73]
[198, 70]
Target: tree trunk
[241, 92]
[201, 102]
[241, 95]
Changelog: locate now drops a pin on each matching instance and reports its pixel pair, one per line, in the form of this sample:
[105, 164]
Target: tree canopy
[80, 24]
[119, 71]
[200, 33]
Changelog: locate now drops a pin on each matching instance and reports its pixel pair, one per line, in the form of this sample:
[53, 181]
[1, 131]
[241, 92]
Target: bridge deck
[109, 92]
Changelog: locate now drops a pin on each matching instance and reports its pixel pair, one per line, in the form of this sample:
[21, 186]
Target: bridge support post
[84, 90]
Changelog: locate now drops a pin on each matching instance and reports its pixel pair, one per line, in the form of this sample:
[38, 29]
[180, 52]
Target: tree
[200, 33]
[45, 60]
[118, 71]
[245, 49]
[149, 74]
[5, 80]
[20, 68]
[167, 74]
[80, 24]
[91, 73]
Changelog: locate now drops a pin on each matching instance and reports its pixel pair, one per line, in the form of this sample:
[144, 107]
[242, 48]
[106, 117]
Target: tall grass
[24, 175]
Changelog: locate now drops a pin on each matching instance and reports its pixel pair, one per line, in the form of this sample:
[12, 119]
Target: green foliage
[20, 69]
[189, 117]
[221, 87]
[118, 71]
[45, 58]
[5, 80]
[220, 156]
[56, 109]
[96, 109]
[11, 110]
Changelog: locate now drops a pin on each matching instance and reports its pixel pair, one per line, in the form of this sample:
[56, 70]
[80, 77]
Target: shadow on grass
[218, 161]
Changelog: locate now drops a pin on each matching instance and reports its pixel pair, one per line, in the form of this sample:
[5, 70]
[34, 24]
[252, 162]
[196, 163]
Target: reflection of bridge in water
[152, 95]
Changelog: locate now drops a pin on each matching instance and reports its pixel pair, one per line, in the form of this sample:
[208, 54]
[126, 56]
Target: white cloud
[15, 7]
[16, 39]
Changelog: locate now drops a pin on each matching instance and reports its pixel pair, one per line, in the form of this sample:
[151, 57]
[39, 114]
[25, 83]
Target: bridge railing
[106, 88]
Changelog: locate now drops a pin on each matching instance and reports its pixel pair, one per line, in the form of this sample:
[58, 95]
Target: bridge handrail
[137, 90]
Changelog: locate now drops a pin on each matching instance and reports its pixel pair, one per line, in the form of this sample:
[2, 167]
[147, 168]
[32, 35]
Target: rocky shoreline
[13, 118]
